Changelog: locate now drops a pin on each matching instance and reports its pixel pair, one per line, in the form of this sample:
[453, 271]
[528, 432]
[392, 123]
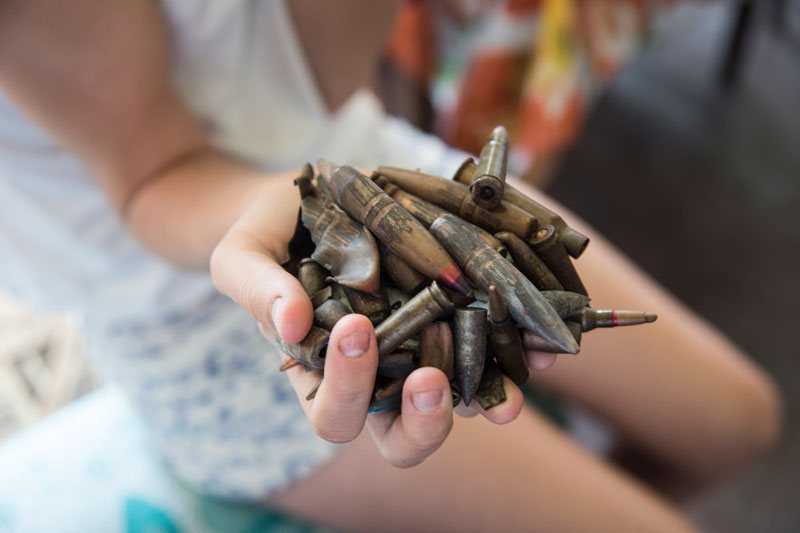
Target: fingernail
[274, 312]
[355, 344]
[426, 402]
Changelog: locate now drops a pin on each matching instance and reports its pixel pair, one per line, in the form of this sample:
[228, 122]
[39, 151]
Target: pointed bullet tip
[499, 133]
[326, 167]
[650, 317]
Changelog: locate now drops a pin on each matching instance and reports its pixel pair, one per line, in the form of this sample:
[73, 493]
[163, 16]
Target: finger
[245, 271]
[340, 407]
[303, 381]
[427, 416]
[504, 412]
[540, 360]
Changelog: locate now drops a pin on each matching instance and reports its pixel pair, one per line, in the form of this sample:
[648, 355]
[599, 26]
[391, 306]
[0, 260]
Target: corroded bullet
[311, 350]
[574, 241]
[490, 175]
[490, 390]
[329, 313]
[321, 296]
[469, 343]
[373, 305]
[344, 246]
[429, 304]
[534, 343]
[609, 318]
[552, 252]
[529, 263]
[566, 303]
[398, 365]
[392, 225]
[505, 339]
[436, 347]
[311, 276]
[455, 198]
[486, 267]
[305, 181]
[406, 277]
[387, 396]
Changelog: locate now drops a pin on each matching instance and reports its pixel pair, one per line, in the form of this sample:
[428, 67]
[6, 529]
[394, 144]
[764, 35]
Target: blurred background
[672, 127]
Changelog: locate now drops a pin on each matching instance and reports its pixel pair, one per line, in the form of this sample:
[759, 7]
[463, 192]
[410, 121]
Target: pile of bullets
[464, 275]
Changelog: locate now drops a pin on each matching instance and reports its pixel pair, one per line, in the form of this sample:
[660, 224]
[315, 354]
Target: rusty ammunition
[490, 175]
[552, 252]
[436, 347]
[574, 241]
[429, 304]
[576, 330]
[393, 225]
[289, 363]
[373, 305]
[505, 340]
[469, 343]
[455, 197]
[529, 263]
[311, 276]
[387, 396]
[304, 181]
[313, 392]
[397, 365]
[486, 267]
[534, 343]
[406, 277]
[490, 390]
[566, 303]
[329, 313]
[311, 350]
[344, 246]
[321, 296]
[609, 318]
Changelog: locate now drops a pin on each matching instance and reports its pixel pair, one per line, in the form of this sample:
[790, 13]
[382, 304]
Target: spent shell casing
[490, 175]
[534, 343]
[469, 344]
[574, 241]
[344, 246]
[486, 268]
[373, 305]
[387, 396]
[552, 252]
[403, 274]
[311, 276]
[505, 340]
[529, 263]
[455, 198]
[398, 365]
[490, 390]
[566, 303]
[429, 304]
[393, 226]
[436, 347]
[610, 318]
[329, 313]
[311, 350]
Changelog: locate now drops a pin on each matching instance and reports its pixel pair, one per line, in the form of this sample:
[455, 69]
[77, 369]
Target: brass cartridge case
[344, 246]
[329, 313]
[486, 268]
[311, 276]
[490, 390]
[387, 396]
[490, 175]
[590, 319]
[469, 343]
[436, 347]
[566, 303]
[552, 252]
[393, 226]
[404, 276]
[397, 365]
[574, 241]
[529, 263]
[455, 197]
[505, 339]
[373, 305]
[429, 304]
[311, 350]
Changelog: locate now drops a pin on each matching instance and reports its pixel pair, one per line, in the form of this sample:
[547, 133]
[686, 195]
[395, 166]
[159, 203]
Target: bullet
[505, 340]
[469, 343]
[392, 225]
[344, 246]
[404, 276]
[490, 175]
[574, 241]
[490, 390]
[311, 350]
[321, 296]
[429, 304]
[329, 313]
[455, 198]
[373, 305]
[534, 343]
[552, 252]
[311, 276]
[529, 263]
[609, 318]
[289, 363]
[305, 181]
[398, 365]
[486, 267]
[387, 396]
[436, 347]
[566, 303]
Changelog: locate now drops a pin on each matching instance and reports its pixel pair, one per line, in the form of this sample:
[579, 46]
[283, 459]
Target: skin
[675, 388]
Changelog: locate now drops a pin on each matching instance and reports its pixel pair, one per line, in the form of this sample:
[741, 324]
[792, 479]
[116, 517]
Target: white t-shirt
[192, 362]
